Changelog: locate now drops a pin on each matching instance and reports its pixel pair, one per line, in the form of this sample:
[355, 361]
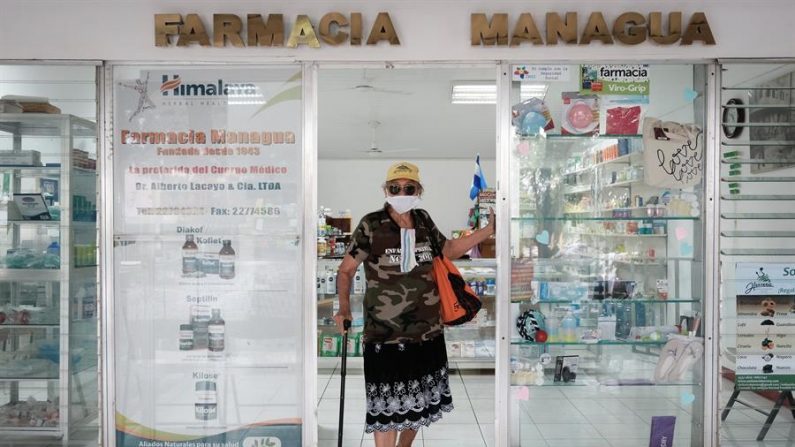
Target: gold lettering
[632, 35]
[270, 34]
[193, 31]
[227, 26]
[166, 25]
[324, 28]
[526, 31]
[383, 29]
[489, 33]
[303, 33]
[698, 29]
[596, 28]
[356, 28]
[674, 28]
[565, 29]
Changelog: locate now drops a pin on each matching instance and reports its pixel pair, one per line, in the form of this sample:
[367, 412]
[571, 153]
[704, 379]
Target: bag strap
[421, 216]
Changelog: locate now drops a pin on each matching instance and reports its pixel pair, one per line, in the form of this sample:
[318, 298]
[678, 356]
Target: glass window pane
[757, 250]
[606, 233]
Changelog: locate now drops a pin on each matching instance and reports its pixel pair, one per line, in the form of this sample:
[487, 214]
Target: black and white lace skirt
[407, 384]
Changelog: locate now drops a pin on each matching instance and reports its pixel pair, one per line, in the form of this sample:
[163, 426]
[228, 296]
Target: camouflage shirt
[398, 306]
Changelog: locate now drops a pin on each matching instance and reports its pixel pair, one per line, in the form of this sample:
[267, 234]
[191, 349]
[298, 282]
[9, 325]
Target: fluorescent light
[484, 92]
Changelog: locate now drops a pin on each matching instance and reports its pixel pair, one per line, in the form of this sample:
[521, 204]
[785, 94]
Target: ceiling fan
[365, 85]
[375, 150]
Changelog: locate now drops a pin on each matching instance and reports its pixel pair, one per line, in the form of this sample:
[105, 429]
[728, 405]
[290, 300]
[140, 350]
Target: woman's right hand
[340, 317]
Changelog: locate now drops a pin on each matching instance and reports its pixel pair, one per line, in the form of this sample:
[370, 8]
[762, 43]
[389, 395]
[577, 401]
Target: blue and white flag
[478, 182]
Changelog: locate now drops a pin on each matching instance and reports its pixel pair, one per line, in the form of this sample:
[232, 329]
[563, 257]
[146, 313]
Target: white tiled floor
[580, 416]
[470, 424]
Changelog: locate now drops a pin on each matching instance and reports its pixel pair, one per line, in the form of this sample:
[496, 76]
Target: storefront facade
[206, 149]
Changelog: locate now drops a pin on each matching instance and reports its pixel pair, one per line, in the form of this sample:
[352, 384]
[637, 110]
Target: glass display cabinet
[606, 262]
[48, 274]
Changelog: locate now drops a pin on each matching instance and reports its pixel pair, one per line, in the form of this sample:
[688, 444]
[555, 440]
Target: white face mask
[403, 204]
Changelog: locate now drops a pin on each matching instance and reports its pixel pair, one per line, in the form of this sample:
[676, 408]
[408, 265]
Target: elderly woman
[405, 358]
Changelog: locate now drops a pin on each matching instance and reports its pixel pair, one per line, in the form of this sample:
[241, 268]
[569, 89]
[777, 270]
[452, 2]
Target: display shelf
[594, 382]
[582, 190]
[760, 179]
[765, 234]
[77, 224]
[756, 161]
[577, 137]
[757, 251]
[623, 159]
[50, 170]
[615, 301]
[757, 216]
[596, 343]
[610, 210]
[757, 197]
[45, 378]
[619, 235]
[47, 125]
[56, 287]
[573, 218]
[7, 274]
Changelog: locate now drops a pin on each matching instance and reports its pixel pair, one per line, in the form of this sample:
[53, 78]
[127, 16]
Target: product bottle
[185, 337]
[216, 329]
[553, 328]
[199, 319]
[226, 261]
[568, 328]
[322, 278]
[331, 282]
[321, 222]
[190, 253]
[358, 282]
[54, 249]
[206, 400]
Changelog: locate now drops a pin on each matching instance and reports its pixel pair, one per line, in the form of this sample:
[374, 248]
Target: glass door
[606, 246]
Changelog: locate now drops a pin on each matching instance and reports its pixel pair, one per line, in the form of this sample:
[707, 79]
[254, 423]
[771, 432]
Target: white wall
[428, 29]
[356, 185]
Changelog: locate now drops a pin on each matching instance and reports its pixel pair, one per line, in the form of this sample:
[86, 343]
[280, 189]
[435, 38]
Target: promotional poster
[765, 326]
[207, 191]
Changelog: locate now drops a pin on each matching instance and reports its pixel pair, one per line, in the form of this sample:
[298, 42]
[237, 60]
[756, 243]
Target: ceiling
[413, 109]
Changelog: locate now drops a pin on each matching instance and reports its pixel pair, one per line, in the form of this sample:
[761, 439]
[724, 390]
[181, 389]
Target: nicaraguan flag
[478, 182]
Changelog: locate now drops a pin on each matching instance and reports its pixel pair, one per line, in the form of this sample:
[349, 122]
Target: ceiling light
[475, 92]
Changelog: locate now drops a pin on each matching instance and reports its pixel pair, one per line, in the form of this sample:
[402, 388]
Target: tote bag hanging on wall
[673, 153]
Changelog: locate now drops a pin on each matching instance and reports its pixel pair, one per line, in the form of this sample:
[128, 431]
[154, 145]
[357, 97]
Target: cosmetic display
[48, 274]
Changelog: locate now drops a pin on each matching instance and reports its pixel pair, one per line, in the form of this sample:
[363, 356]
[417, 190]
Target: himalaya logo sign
[175, 87]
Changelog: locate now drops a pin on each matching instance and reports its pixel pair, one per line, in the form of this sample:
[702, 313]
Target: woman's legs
[385, 438]
[388, 438]
[407, 437]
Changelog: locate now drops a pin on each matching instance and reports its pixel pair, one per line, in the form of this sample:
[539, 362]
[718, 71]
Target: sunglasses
[394, 189]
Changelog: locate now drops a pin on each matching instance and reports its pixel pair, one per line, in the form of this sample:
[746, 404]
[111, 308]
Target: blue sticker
[687, 398]
[690, 95]
[543, 237]
[685, 249]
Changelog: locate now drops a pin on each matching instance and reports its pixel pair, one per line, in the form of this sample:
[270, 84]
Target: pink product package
[623, 120]
[580, 114]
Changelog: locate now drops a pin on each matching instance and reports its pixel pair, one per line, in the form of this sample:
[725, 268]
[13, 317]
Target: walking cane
[346, 324]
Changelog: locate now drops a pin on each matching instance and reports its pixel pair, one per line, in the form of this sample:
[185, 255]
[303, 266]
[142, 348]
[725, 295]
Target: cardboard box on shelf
[488, 248]
[342, 223]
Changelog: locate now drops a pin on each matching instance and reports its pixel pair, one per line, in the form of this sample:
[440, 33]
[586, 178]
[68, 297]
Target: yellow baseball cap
[404, 170]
